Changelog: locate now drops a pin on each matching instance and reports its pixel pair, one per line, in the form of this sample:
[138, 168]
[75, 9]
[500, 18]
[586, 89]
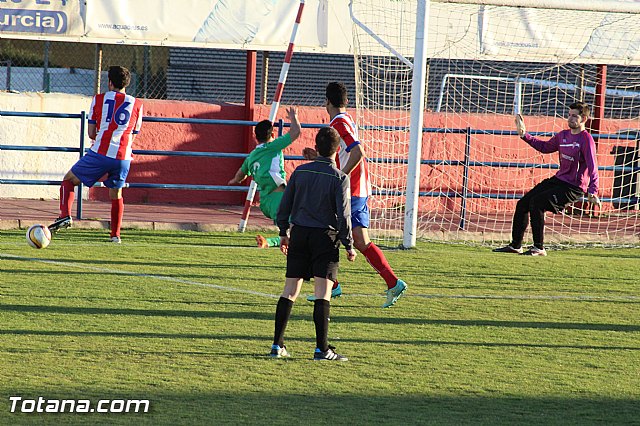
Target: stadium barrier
[467, 163]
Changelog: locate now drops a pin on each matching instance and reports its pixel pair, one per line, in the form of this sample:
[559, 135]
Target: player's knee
[360, 245]
[71, 178]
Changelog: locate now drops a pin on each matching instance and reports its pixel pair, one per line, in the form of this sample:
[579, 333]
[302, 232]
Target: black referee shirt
[318, 195]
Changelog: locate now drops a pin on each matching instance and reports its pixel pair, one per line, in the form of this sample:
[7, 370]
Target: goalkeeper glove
[593, 199]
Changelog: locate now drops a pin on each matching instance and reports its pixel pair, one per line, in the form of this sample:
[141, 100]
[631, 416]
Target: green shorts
[270, 203]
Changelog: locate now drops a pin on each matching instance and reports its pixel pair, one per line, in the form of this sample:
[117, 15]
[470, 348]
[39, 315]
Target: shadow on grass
[172, 300]
[356, 408]
[268, 338]
[268, 316]
[102, 263]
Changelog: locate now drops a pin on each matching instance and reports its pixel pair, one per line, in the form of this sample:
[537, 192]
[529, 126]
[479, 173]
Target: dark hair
[327, 141]
[263, 130]
[584, 109]
[119, 76]
[337, 94]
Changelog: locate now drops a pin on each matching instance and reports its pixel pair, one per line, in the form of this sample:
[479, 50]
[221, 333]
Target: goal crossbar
[577, 5]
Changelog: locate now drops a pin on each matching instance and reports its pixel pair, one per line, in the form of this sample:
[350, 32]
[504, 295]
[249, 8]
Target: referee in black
[314, 218]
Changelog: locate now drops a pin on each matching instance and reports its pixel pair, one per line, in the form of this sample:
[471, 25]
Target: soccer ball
[38, 236]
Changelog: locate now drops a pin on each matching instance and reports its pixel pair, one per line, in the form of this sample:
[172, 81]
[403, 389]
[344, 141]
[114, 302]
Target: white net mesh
[485, 64]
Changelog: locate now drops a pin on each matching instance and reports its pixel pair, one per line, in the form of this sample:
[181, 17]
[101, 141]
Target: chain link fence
[219, 76]
[59, 67]
[208, 75]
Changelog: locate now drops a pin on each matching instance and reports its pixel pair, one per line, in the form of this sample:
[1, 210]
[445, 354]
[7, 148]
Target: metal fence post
[8, 74]
[465, 178]
[280, 127]
[98, 68]
[45, 68]
[83, 119]
[146, 70]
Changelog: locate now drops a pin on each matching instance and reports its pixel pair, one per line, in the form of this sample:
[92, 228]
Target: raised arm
[538, 144]
[294, 131]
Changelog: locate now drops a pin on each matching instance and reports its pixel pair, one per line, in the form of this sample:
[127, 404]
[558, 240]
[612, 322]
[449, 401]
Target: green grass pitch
[185, 320]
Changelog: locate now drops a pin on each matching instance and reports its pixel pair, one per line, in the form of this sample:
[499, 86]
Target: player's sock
[67, 195]
[117, 210]
[376, 258]
[283, 312]
[273, 241]
[335, 285]
[321, 320]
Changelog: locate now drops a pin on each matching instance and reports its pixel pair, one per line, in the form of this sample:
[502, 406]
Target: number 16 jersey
[117, 116]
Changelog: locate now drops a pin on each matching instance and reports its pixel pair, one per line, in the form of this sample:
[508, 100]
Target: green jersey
[266, 164]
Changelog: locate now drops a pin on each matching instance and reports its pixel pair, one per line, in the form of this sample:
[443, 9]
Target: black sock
[283, 312]
[321, 320]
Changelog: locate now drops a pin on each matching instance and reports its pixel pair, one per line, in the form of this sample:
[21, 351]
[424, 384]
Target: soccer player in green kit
[266, 165]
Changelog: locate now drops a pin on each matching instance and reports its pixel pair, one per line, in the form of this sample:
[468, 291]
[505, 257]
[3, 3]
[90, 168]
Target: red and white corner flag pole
[274, 111]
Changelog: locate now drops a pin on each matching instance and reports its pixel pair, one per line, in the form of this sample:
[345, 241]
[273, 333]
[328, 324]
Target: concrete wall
[154, 136]
[225, 138]
[38, 132]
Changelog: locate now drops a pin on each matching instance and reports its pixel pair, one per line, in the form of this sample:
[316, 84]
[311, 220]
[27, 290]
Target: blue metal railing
[466, 163]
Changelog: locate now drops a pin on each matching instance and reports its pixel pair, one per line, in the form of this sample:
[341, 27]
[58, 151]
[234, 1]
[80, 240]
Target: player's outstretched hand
[284, 245]
[292, 111]
[309, 153]
[520, 127]
[594, 199]
[351, 255]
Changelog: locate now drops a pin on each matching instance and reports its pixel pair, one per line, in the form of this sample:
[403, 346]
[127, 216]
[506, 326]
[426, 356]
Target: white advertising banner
[41, 18]
[246, 24]
[544, 35]
[480, 31]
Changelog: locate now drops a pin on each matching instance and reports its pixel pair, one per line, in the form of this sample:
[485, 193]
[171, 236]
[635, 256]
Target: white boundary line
[136, 274]
[577, 298]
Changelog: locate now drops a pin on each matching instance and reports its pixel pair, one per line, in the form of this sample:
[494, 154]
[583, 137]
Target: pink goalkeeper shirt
[578, 165]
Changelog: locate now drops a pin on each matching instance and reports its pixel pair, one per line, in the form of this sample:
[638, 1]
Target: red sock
[117, 210]
[335, 285]
[376, 258]
[67, 194]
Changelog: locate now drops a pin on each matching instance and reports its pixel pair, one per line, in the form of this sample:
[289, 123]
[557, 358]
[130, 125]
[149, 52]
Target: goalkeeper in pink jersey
[115, 119]
[351, 159]
[578, 175]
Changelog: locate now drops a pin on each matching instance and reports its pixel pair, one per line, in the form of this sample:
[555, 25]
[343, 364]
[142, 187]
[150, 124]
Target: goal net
[487, 62]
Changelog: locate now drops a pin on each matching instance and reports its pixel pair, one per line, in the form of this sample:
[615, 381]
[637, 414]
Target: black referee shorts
[313, 252]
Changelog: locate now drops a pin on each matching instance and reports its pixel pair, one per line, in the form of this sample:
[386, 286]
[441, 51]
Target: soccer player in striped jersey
[115, 119]
[351, 159]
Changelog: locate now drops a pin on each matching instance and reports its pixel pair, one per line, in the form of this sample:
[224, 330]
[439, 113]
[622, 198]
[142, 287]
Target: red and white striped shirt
[117, 116]
[346, 127]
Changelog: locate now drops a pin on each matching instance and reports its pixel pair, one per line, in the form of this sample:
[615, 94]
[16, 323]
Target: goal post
[437, 84]
[418, 84]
